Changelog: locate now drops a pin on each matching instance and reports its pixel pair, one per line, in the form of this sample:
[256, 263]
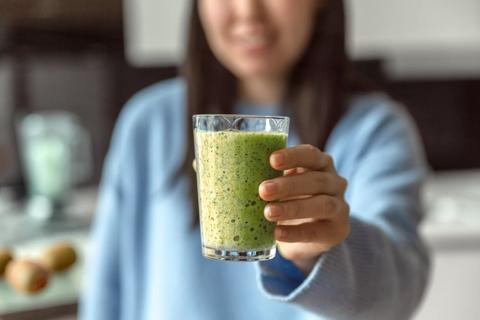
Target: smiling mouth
[253, 43]
[255, 40]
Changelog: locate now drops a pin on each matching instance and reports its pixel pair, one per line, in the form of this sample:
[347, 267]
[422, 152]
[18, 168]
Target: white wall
[418, 38]
[390, 26]
[154, 31]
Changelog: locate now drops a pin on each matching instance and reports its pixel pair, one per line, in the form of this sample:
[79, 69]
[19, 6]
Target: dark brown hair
[318, 85]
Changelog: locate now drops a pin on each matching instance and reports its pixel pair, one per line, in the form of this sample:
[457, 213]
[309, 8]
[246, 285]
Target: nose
[248, 10]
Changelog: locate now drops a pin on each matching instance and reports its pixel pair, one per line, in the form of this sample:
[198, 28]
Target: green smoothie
[231, 166]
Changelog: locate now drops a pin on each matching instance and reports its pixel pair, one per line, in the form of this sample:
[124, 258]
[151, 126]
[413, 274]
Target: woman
[345, 252]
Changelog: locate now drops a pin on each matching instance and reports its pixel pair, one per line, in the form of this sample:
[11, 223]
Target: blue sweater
[146, 260]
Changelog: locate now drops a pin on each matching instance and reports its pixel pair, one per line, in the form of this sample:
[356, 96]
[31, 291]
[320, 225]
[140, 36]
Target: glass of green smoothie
[232, 159]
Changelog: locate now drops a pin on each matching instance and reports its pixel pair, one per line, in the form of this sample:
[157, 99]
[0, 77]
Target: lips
[253, 42]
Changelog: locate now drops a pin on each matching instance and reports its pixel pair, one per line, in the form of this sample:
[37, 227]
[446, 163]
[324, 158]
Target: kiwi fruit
[26, 276]
[58, 257]
[5, 258]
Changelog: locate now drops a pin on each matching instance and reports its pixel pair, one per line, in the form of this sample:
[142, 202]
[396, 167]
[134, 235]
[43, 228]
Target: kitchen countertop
[452, 202]
[27, 237]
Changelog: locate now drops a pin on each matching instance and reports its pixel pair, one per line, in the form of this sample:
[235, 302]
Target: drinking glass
[232, 159]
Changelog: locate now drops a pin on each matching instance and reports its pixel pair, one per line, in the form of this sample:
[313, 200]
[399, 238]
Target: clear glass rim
[246, 116]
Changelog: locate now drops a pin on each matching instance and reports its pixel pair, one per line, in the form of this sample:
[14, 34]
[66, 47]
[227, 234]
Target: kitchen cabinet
[452, 231]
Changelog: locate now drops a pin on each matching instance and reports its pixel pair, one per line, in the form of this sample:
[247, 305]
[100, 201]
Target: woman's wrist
[306, 265]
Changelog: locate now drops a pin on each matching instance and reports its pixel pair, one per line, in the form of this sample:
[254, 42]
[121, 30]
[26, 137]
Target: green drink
[232, 161]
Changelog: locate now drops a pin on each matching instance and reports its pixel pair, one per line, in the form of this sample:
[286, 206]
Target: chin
[255, 71]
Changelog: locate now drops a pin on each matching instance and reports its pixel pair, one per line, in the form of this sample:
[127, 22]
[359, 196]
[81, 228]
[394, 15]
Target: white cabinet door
[454, 290]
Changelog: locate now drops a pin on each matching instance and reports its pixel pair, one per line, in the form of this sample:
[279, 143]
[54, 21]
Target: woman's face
[258, 38]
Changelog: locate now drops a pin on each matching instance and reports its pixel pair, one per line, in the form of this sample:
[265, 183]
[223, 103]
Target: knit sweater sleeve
[101, 295]
[381, 269]
[128, 174]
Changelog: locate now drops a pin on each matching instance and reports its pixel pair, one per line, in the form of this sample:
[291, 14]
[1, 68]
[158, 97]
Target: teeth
[254, 40]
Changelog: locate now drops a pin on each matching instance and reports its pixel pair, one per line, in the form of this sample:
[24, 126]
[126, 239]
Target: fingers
[320, 231]
[194, 165]
[322, 207]
[304, 155]
[307, 183]
[294, 171]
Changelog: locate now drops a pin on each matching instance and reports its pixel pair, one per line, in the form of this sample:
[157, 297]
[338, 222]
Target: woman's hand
[308, 204]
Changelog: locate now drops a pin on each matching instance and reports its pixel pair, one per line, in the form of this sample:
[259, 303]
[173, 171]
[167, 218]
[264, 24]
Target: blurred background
[67, 67]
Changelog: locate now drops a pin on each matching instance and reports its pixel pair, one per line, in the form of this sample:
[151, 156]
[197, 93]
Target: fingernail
[278, 159]
[273, 211]
[268, 188]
